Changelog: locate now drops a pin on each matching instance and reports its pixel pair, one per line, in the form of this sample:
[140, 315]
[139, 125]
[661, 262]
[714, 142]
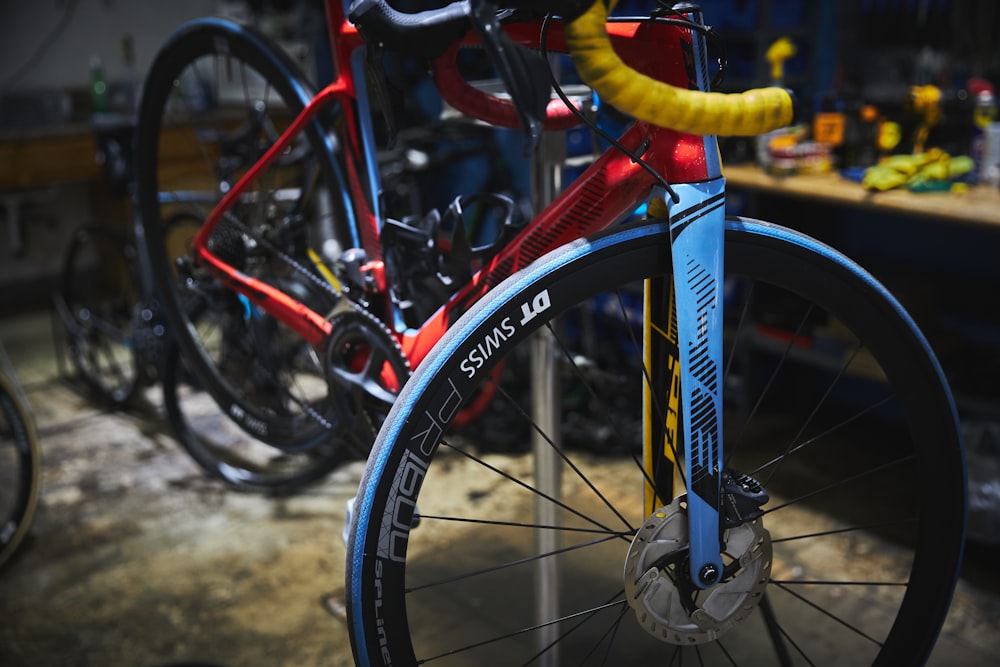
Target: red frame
[604, 194]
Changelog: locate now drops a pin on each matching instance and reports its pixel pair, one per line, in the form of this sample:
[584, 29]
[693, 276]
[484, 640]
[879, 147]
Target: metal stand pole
[546, 183]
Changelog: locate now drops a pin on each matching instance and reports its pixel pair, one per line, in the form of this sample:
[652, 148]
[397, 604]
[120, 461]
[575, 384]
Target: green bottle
[99, 97]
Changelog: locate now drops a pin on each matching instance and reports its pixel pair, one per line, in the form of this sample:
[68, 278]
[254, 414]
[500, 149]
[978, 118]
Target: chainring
[365, 369]
[659, 589]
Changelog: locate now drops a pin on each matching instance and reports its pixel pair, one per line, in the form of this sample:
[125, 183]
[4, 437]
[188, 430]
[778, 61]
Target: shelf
[64, 154]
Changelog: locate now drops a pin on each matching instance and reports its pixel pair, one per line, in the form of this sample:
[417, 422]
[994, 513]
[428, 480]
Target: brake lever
[523, 71]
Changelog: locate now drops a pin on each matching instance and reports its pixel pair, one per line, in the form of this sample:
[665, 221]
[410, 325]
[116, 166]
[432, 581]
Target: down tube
[697, 224]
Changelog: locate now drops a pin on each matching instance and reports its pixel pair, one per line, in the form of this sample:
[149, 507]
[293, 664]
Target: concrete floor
[136, 559]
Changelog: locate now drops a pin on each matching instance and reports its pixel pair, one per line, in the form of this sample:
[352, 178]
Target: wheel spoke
[511, 564]
[524, 630]
[839, 484]
[827, 613]
[522, 484]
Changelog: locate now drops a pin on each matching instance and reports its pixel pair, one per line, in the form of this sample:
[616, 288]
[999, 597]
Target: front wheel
[463, 551]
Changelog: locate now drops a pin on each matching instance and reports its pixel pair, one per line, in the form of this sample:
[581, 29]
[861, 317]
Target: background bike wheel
[833, 402]
[20, 469]
[227, 452]
[96, 301]
[216, 98]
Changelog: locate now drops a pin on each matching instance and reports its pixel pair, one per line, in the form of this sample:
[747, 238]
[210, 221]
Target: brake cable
[586, 120]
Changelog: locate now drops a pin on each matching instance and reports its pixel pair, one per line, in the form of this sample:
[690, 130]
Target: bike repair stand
[546, 183]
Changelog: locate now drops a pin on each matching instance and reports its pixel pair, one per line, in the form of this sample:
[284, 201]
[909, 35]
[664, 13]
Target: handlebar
[432, 32]
[751, 112]
[481, 105]
[427, 33]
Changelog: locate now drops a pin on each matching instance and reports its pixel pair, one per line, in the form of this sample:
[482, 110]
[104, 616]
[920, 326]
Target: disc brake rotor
[660, 592]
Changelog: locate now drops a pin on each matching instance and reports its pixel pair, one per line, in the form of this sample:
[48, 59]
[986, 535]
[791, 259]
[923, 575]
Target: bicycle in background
[748, 355]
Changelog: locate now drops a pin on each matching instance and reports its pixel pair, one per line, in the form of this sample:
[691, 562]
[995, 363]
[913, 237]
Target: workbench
[978, 205]
[57, 155]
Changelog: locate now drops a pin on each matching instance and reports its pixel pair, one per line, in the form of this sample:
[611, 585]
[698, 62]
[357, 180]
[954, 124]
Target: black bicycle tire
[240, 477]
[198, 38]
[375, 584]
[114, 395]
[25, 439]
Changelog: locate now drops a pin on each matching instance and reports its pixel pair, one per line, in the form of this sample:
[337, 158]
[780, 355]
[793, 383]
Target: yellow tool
[781, 50]
[926, 101]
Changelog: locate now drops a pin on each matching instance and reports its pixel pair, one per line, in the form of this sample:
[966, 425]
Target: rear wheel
[462, 552]
[217, 97]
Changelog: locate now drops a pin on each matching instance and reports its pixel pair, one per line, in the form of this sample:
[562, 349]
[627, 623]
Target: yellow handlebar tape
[748, 113]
